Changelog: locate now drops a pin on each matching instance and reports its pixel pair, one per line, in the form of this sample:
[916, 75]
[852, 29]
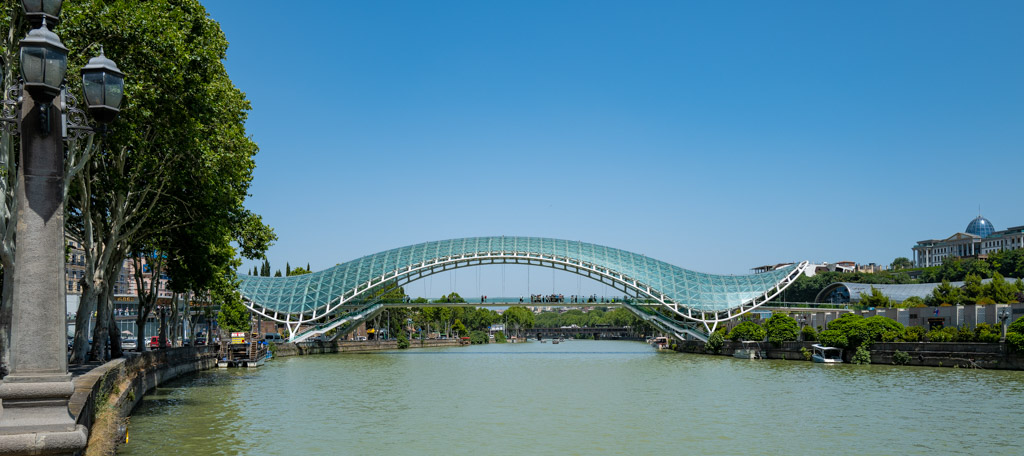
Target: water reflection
[578, 397]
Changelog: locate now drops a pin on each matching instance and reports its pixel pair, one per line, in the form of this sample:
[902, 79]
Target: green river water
[577, 397]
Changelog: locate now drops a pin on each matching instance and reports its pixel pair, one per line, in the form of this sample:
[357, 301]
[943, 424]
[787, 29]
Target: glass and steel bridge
[695, 302]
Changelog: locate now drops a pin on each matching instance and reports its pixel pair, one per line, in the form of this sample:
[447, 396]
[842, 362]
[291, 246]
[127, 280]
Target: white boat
[661, 343]
[827, 355]
[749, 350]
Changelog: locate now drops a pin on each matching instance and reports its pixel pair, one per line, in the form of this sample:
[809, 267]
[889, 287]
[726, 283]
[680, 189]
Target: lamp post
[1004, 314]
[34, 417]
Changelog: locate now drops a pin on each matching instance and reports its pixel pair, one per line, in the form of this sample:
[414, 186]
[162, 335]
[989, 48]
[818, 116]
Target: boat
[554, 341]
[750, 350]
[827, 355]
[661, 343]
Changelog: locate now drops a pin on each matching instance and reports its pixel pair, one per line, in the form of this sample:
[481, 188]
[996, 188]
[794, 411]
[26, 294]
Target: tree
[945, 293]
[297, 271]
[901, 263]
[973, 290]
[913, 301]
[519, 317]
[178, 151]
[233, 315]
[875, 299]
[747, 330]
[857, 330]
[277, 273]
[403, 341]
[999, 290]
[715, 342]
[781, 328]
[833, 338]
[459, 329]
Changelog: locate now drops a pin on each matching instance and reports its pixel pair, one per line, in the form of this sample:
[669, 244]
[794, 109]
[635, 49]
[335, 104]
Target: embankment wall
[934, 354]
[321, 347]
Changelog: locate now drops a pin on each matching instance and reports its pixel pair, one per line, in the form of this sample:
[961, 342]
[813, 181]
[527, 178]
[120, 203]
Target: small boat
[827, 355]
[554, 341]
[661, 343]
[749, 350]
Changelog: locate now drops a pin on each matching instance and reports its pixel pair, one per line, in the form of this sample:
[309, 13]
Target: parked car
[273, 337]
[154, 342]
[129, 343]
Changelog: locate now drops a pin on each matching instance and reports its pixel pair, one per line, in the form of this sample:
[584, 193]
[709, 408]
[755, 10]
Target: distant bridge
[341, 296]
[597, 332]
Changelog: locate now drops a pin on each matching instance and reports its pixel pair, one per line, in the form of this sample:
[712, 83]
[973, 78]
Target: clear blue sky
[716, 136]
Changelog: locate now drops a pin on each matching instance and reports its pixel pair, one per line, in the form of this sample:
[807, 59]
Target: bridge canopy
[322, 291]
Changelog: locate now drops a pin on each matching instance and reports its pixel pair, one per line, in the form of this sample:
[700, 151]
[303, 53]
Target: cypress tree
[287, 269]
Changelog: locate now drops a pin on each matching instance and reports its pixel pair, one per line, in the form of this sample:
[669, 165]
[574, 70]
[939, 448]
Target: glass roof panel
[305, 293]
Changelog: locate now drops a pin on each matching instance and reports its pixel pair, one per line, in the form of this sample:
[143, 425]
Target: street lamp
[37, 11]
[34, 417]
[44, 61]
[103, 84]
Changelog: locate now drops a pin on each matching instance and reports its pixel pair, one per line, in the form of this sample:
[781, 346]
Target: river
[577, 397]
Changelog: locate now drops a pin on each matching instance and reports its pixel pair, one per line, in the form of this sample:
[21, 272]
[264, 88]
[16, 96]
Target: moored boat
[749, 350]
[827, 355]
[661, 343]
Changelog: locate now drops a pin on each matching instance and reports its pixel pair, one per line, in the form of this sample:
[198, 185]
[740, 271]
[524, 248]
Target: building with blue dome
[977, 241]
[980, 226]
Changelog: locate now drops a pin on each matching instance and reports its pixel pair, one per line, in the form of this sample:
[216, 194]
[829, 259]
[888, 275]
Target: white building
[980, 238]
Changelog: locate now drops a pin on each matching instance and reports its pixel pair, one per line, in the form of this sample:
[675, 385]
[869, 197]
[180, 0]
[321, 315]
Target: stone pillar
[34, 417]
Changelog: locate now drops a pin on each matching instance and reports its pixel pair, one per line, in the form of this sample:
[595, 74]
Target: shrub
[892, 336]
[499, 338]
[964, 334]
[403, 341]
[989, 337]
[809, 333]
[715, 342]
[833, 338]
[747, 330]
[478, 337]
[1015, 341]
[913, 333]
[805, 353]
[781, 328]
[900, 357]
[913, 301]
[1017, 326]
[878, 325]
[859, 330]
[862, 355]
[941, 335]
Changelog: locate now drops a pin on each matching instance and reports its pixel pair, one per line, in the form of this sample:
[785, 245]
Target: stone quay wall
[351, 346]
[107, 394]
[934, 354]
